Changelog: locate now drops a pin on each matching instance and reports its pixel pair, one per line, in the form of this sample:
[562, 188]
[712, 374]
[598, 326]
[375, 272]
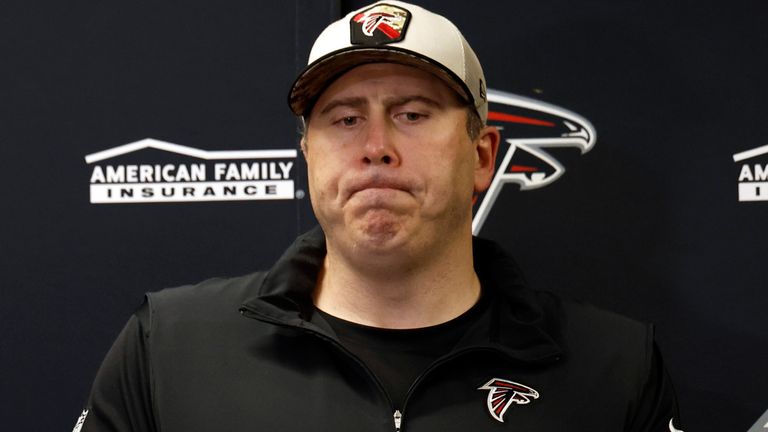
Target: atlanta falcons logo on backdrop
[530, 126]
[503, 393]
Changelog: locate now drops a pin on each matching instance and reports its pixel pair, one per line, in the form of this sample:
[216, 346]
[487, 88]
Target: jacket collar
[522, 323]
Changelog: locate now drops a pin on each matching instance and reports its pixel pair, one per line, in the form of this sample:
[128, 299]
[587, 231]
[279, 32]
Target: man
[391, 316]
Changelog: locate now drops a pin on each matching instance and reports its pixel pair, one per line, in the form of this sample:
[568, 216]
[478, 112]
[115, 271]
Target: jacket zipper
[397, 416]
[439, 362]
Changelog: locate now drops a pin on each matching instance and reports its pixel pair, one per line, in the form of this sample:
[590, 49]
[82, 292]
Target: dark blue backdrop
[648, 223]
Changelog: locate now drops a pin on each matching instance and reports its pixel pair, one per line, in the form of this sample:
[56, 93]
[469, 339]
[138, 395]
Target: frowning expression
[390, 161]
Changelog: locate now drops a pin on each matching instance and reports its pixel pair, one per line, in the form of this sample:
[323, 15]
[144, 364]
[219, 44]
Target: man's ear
[486, 147]
[304, 133]
[303, 144]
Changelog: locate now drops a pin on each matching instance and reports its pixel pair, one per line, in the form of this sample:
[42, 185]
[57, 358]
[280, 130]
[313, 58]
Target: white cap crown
[391, 31]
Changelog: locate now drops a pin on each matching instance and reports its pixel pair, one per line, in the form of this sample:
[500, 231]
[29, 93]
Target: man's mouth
[377, 184]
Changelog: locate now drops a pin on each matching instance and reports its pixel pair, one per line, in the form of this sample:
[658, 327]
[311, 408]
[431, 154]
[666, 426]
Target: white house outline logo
[246, 175]
[188, 151]
[753, 179]
[580, 134]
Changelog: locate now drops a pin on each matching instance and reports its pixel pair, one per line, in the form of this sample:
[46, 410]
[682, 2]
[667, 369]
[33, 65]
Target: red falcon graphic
[379, 25]
[530, 127]
[378, 20]
[503, 393]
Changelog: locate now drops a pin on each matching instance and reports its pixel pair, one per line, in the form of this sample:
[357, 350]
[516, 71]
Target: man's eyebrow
[402, 100]
[354, 102]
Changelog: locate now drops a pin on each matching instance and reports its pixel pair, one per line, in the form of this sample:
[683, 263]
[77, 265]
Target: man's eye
[349, 121]
[412, 116]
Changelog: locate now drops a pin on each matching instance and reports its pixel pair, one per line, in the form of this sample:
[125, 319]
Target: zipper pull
[398, 419]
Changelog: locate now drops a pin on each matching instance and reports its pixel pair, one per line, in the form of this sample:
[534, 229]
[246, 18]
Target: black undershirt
[398, 357]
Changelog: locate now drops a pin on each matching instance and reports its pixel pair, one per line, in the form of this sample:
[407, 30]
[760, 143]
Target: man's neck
[439, 288]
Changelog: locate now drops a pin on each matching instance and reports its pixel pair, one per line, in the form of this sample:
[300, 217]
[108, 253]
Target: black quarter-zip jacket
[251, 354]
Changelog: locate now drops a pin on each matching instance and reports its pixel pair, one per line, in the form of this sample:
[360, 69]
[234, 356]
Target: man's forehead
[389, 101]
[389, 83]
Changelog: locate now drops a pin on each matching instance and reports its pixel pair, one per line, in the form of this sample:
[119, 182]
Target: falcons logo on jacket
[503, 393]
[530, 127]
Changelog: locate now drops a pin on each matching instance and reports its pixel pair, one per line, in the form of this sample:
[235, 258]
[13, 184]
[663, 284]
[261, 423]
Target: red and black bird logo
[379, 25]
[503, 393]
[530, 127]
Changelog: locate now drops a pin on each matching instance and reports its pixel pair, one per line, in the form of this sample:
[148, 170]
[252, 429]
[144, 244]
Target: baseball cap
[396, 32]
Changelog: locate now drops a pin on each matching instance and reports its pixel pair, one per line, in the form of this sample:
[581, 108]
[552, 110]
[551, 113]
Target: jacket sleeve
[656, 408]
[121, 399]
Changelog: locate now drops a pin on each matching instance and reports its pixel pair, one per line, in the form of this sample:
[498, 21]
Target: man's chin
[374, 234]
[380, 235]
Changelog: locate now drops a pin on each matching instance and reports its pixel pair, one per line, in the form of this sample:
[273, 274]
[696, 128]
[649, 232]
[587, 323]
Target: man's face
[391, 165]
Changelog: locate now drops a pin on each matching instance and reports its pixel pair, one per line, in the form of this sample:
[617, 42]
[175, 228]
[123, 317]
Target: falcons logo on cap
[531, 128]
[503, 393]
[378, 20]
[378, 25]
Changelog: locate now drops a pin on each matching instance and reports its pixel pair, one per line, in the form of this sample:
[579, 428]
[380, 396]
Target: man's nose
[379, 147]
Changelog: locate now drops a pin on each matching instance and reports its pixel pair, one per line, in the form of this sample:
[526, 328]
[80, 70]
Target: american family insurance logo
[753, 174]
[532, 129]
[152, 171]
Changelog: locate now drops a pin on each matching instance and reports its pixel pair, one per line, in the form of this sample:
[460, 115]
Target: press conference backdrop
[148, 144]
